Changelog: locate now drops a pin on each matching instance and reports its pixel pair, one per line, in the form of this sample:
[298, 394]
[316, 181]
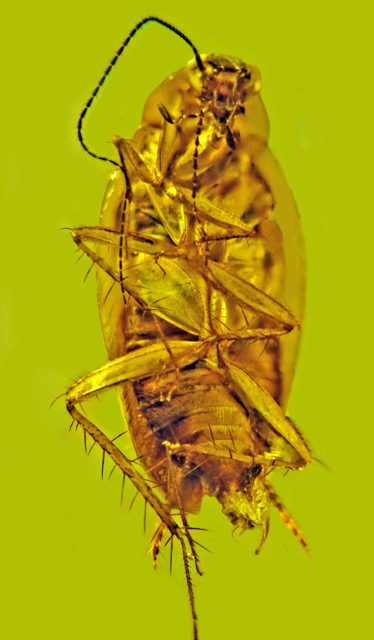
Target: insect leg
[134, 365]
[101, 237]
[210, 212]
[268, 460]
[257, 333]
[255, 397]
[286, 516]
[157, 541]
[144, 170]
[249, 295]
[141, 485]
[97, 237]
[170, 213]
[125, 465]
[183, 513]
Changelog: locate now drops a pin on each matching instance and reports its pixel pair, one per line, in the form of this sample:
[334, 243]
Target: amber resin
[200, 273]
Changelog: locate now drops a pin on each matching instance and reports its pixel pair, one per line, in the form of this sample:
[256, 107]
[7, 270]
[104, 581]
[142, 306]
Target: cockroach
[200, 276]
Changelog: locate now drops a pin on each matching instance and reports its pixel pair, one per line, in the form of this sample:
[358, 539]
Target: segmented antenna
[109, 68]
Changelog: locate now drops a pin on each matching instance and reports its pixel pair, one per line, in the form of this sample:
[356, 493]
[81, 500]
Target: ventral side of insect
[200, 273]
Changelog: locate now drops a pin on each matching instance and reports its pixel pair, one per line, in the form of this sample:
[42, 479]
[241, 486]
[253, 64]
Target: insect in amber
[200, 288]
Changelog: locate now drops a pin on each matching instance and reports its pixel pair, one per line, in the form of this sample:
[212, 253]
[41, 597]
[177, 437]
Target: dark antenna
[109, 68]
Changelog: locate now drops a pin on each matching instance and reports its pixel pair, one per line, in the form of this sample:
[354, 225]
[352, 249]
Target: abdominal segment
[201, 411]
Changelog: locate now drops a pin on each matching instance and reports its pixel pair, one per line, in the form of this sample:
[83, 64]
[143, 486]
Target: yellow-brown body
[200, 274]
[204, 210]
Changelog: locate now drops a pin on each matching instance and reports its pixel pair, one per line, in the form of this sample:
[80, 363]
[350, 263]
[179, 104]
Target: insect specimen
[200, 274]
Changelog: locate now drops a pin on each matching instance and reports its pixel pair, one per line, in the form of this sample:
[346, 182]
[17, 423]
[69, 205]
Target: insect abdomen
[200, 410]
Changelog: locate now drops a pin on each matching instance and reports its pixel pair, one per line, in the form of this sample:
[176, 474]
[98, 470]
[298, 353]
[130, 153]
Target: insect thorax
[226, 98]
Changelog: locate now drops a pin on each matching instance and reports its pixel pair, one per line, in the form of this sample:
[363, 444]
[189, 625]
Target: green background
[75, 565]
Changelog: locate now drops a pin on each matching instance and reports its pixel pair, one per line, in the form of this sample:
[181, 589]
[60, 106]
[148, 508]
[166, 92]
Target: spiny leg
[265, 531]
[92, 384]
[137, 242]
[124, 464]
[100, 236]
[269, 460]
[151, 498]
[245, 293]
[254, 396]
[285, 515]
[268, 463]
[157, 541]
[248, 294]
[183, 513]
[142, 243]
